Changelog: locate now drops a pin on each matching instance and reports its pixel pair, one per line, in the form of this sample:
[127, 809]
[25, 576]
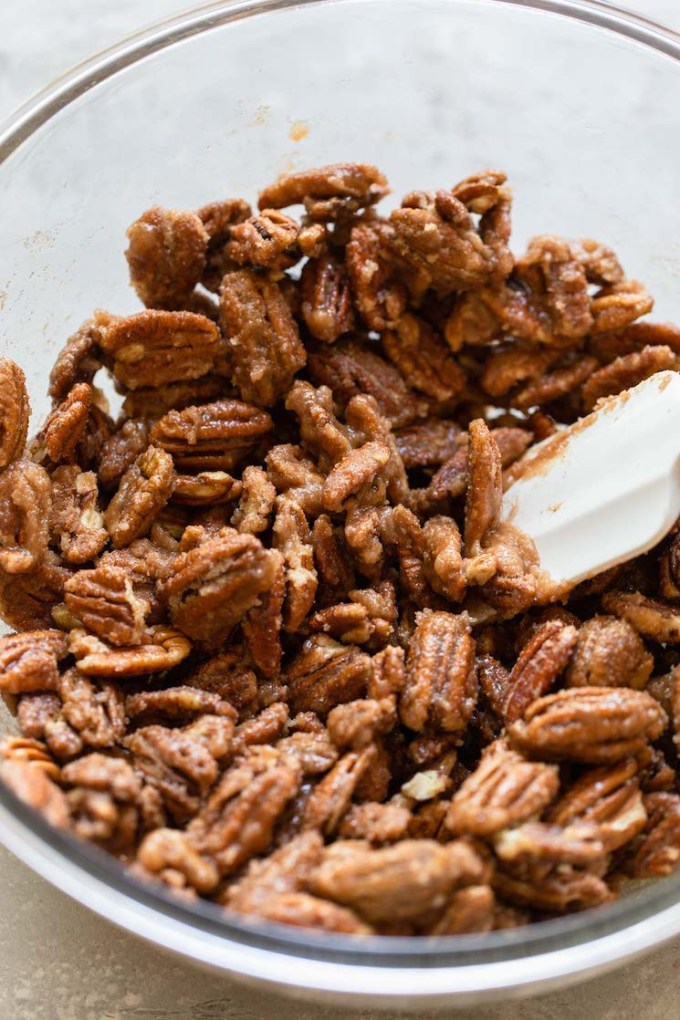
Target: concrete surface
[58, 961]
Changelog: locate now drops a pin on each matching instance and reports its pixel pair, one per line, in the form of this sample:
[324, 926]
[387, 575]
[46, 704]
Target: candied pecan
[28, 661]
[541, 661]
[636, 336]
[239, 816]
[265, 728]
[405, 882]
[264, 343]
[331, 798]
[33, 752]
[267, 239]
[145, 563]
[34, 711]
[508, 366]
[156, 347]
[326, 673]
[211, 437]
[164, 648]
[401, 529]
[352, 368]
[504, 790]
[262, 624]
[538, 843]
[31, 784]
[144, 489]
[27, 600]
[320, 430]
[658, 852]
[14, 412]
[327, 192]
[625, 372]
[355, 473]
[218, 218]
[228, 676]
[292, 539]
[438, 237]
[25, 504]
[332, 564]
[212, 586]
[78, 361]
[166, 256]
[357, 723]
[649, 617]
[442, 560]
[75, 521]
[609, 653]
[423, 358]
[618, 305]
[484, 492]
[589, 724]
[553, 269]
[65, 425]
[175, 704]
[427, 444]
[377, 823]
[314, 751]
[441, 685]
[89, 716]
[258, 497]
[380, 293]
[368, 618]
[551, 386]
[469, 910]
[182, 764]
[388, 673]
[326, 299]
[208, 488]
[120, 451]
[165, 849]
[294, 475]
[556, 888]
[103, 800]
[608, 798]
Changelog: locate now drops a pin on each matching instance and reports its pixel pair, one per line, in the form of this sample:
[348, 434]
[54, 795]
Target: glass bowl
[577, 101]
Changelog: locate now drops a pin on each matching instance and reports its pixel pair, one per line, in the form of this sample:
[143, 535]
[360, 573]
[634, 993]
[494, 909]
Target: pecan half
[166, 256]
[326, 674]
[659, 850]
[294, 475]
[78, 361]
[589, 724]
[167, 850]
[423, 358]
[164, 649]
[238, 819]
[484, 492]
[263, 339]
[105, 602]
[143, 491]
[25, 504]
[331, 798]
[649, 617]
[28, 661]
[609, 653]
[293, 539]
[75, 521]
[326, 299]
[211, 437]
[327, 191]
[14, 412]
[213, 586]
[608, 798]
[541, 661]
[267, 240]
[504, 790]
[155, 347]
[441, 684]
[405, 882]
[34, 787]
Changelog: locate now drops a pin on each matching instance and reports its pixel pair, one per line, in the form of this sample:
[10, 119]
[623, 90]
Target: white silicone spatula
[605, 489]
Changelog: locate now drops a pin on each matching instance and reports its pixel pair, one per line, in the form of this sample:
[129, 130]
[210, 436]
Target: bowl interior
[582, 119]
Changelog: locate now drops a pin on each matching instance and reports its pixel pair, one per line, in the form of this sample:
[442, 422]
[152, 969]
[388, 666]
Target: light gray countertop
[57, 960]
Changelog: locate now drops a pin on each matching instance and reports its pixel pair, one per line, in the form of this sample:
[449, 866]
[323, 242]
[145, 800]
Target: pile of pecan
[271, 648]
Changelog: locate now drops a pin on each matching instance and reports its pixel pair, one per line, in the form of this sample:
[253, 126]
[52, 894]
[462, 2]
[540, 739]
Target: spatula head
[605, 489]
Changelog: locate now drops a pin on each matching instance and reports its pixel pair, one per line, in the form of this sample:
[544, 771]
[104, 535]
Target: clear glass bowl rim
[454, 952]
